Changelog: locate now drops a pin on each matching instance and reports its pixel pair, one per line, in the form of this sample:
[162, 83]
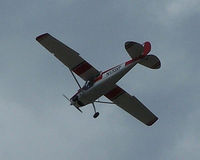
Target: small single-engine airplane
[104, 83]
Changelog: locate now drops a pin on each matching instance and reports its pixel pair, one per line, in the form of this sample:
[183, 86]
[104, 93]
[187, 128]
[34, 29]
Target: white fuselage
[105, 82]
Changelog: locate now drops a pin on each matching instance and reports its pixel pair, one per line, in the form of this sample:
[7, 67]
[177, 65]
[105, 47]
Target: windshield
[87, 85]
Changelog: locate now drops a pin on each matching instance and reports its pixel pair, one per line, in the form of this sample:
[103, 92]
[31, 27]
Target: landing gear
[96, 114]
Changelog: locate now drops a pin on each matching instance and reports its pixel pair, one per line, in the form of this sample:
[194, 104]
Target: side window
[90, 84]
[87, 85]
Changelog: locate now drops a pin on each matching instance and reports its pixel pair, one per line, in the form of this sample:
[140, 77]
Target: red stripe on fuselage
[101, 75]
[82, 68]
[109, 69]
[114, 93]
[98, 78]
[133, 60]
[128, 62]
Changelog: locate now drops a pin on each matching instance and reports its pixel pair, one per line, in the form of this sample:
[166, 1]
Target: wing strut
[75, 79]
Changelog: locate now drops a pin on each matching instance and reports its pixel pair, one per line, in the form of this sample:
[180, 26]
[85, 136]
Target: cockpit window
[87, 85]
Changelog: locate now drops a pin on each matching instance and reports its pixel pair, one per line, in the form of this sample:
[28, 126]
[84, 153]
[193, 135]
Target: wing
[68, 57]
[132, 105]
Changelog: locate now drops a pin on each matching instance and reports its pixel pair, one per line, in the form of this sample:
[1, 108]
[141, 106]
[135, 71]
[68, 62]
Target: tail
[139, 51]
[150, 61]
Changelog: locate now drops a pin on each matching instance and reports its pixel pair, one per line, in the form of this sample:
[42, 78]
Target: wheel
[96, 115]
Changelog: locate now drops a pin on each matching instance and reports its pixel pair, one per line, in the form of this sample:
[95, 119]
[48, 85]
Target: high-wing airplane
[98, 83]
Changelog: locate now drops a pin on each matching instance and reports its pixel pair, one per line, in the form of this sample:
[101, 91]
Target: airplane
[98, 84]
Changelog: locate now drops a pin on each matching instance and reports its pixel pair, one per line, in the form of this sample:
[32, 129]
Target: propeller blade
[66, 97]
[79, 109]
[70, 101]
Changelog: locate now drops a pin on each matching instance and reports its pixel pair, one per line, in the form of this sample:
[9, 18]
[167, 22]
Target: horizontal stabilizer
[136, 50]
[150, 61]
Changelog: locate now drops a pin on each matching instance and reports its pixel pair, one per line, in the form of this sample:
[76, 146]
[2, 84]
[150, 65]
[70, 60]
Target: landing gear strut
[96, 114]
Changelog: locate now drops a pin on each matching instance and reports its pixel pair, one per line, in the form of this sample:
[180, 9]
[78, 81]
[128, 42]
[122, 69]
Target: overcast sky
[36, 122]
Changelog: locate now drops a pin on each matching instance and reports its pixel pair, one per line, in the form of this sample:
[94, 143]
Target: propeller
[70, 102]
[66, 97]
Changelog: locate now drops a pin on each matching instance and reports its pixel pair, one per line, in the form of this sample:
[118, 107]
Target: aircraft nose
[72, 102]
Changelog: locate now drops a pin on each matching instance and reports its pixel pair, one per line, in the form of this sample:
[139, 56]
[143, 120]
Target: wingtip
[40, 37]
[152, 121]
